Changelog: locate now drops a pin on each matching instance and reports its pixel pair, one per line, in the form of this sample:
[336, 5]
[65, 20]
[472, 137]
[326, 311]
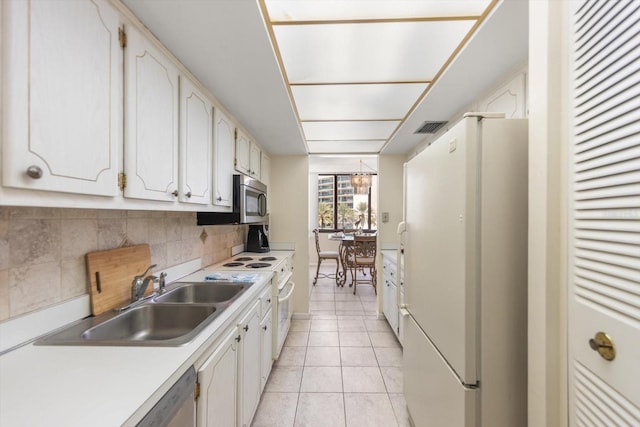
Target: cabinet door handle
[34, 172]
[246, 328]
[264, 327]
[175, 193]
[219, 199]
[238, 338]
[188, 195]
[269, 300]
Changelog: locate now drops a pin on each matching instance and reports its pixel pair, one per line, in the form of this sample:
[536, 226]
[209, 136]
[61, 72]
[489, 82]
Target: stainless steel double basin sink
[173, 318]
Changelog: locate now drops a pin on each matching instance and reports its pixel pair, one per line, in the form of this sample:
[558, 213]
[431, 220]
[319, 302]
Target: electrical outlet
[385, 216]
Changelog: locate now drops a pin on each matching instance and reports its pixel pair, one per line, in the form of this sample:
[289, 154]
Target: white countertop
[69, 386]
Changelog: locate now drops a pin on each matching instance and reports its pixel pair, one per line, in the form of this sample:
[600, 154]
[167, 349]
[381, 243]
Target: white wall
[548, 56]
[390, 184]
[288, 218]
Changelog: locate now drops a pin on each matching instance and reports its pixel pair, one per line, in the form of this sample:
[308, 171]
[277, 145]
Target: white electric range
[281, 263]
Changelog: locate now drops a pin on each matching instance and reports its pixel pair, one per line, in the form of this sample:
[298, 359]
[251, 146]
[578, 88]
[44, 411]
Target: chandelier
[361, 181]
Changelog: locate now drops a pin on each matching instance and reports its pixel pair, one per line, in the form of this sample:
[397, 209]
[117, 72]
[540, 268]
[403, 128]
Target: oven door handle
[286, 297]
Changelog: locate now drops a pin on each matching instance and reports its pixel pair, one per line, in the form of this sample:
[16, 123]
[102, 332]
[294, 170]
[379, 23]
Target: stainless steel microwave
[249, 204]
[253, 200]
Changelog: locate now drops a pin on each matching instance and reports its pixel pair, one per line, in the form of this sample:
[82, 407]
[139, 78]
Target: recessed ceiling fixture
[356, 69]
[430, 127]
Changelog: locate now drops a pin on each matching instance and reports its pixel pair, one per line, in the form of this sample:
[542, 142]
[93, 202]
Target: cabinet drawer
[389, 269]
[265, 301]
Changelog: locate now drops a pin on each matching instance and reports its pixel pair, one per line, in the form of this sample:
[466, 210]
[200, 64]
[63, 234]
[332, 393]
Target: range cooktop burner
[244, 258]
[267, 258]
[258, 265]
[232, 264]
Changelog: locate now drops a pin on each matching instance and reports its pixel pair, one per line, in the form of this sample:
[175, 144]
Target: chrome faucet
[140, 284]
[161, 282]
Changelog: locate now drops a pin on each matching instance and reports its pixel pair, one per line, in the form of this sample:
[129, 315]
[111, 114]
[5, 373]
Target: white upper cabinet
[222, 160]
[243, 153]
[255, 161]
[151, 121]
[265, 169]
[62, 87]
[248, 156]
[195, 144]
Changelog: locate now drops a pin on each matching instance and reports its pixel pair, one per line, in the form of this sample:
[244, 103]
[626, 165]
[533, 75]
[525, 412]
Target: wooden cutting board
[111, 274]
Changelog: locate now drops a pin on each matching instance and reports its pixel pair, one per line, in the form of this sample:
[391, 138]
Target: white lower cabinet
[218, 379]
[390, 295]
[391, 304]
[231, 378]
[249, 365]
[266, 348]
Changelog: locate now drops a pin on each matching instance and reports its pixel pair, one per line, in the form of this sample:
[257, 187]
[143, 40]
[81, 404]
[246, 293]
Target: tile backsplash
[42, 250]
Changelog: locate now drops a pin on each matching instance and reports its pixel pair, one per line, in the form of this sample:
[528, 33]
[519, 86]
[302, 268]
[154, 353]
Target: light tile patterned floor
[342, 367]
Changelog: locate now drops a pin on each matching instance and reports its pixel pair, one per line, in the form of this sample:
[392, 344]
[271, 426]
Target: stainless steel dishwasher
[177, 408]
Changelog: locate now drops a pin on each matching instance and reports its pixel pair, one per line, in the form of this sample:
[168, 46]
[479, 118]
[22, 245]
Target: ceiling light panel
[356, 102]
[296, 10]
[349, 130]
[369, 52]
[350, 147]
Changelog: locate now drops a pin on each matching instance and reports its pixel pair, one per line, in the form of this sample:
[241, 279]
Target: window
[340, 208]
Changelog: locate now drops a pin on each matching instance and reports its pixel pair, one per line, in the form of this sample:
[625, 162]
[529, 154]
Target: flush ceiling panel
[348, 130]
[355, 102]
[352, 147]
[368, 52]
[297, 10]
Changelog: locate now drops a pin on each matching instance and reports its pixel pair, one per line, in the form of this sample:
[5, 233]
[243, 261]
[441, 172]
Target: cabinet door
[390, 303]
[195, 144]
[254, 160]
[62, 88]
[250, 372]
[265, 170]
[243, 153]
[216, 406]
[265, 348]
[386, 298]
[151, 125]
[393, 307]
[223, 160]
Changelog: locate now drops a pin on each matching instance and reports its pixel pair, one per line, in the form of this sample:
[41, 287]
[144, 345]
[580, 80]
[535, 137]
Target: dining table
[346, 242]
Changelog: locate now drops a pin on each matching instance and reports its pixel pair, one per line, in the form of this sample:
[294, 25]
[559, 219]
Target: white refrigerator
[465, 249]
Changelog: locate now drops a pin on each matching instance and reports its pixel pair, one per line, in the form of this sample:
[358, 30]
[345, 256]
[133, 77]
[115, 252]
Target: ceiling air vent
[430, 127]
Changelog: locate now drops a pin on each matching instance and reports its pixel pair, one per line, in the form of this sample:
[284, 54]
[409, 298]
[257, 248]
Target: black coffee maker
[257, 239]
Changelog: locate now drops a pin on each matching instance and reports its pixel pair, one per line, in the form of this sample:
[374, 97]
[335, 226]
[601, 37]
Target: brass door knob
[604, 345]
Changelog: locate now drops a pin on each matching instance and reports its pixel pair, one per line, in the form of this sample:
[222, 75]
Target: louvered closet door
[604, 274]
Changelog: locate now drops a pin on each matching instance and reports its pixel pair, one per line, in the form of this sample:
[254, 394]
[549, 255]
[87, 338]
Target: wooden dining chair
[363, 259]
[324, 255]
